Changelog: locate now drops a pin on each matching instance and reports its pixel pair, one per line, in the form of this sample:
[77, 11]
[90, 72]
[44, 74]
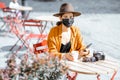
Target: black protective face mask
[68, 22]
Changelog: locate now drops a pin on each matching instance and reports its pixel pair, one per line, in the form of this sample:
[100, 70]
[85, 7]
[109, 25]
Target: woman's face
[66, 16]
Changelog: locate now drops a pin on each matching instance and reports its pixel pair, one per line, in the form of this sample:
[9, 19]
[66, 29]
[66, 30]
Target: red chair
[40, 47]
[8, 15]
[35, 23]
[24, 36]
[2, 5]
[6, 18]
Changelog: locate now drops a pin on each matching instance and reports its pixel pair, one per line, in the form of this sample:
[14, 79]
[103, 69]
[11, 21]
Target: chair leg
[3, 25]
[37, 56]
[23, 44]
[15, 43]
[113, 76]
[98, 77]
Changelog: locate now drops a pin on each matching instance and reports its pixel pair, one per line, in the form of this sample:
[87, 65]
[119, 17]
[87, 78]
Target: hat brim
[74, 13]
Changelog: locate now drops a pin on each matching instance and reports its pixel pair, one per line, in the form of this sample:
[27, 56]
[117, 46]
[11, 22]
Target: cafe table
[24, 8]
[107, 66]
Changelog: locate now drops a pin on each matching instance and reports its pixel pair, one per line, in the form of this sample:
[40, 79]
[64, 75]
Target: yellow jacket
[54, 40]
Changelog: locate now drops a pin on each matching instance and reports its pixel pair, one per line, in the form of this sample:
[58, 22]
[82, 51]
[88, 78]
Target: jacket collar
[60, 31]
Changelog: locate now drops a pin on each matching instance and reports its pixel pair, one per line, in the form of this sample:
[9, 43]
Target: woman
[65, 38]
[14, 5]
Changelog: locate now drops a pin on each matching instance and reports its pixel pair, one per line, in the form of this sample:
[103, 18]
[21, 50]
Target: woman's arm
[80, 46]
[52, 45]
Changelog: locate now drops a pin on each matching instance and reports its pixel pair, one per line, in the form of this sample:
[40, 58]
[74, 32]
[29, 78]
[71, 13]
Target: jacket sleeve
[80, 45]
[52, 46]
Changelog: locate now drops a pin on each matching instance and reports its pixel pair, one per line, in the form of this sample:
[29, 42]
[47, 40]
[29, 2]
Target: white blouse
[66, 37]
[14, 5]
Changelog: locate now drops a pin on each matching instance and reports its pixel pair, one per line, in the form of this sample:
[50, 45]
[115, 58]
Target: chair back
[32, 22]
[40, 47]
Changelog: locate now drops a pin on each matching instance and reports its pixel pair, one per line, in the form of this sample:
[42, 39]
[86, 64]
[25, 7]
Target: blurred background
[84, 6]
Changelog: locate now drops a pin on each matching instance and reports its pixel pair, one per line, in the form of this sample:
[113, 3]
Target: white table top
[24, 8]
[93, 68]
[47, 18]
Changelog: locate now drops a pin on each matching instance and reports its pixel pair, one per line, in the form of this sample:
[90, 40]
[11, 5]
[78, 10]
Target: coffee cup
[75, 55]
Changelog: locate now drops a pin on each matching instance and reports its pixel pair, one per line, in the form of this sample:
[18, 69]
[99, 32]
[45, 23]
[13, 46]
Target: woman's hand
[84, 52]
[67, 56]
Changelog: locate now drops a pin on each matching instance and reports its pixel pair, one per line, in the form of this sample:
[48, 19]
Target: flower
[45, 68]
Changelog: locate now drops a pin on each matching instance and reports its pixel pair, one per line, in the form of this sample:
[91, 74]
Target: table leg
[26, 16]
[74, 77]
[98, 77]
[44, 26]
[41, 29]
[113, 76]
[52, 23]
[70, 77]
